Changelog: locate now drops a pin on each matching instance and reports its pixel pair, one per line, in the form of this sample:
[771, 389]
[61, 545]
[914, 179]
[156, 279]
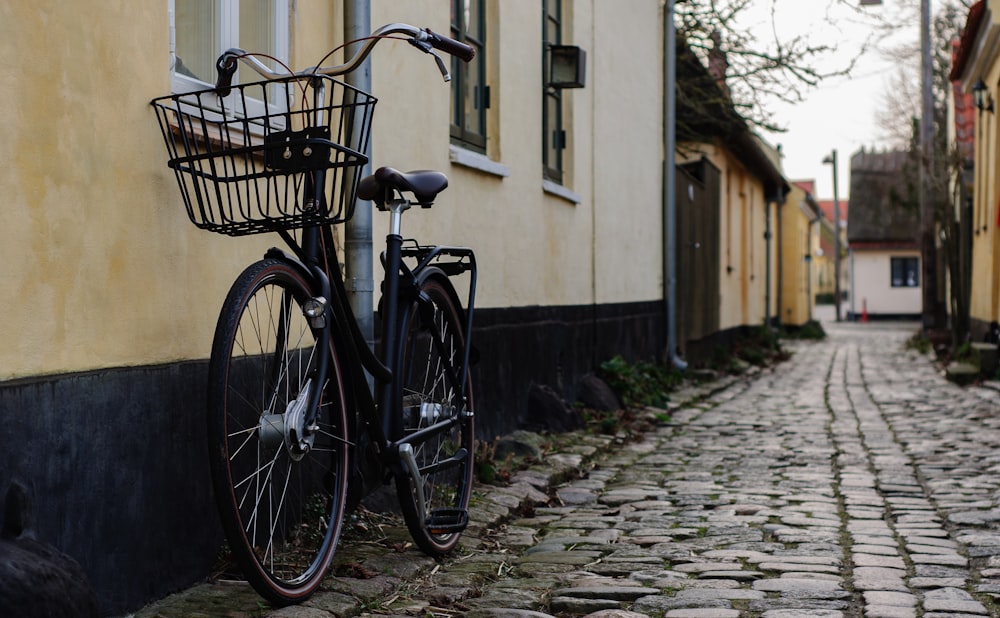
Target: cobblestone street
[852, 480]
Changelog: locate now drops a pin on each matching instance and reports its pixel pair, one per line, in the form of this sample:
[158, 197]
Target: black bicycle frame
[316, 253]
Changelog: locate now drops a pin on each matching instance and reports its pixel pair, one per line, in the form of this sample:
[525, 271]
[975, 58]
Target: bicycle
[295, 430]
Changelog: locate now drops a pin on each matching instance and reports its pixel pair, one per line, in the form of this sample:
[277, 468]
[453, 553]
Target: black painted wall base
[555, 347]
[882, 317]
[117, 464]
[117, 459]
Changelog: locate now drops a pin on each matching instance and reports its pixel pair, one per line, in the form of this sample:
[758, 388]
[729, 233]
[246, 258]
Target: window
[202, 29]
[553, 135]
[905, 272]
[470, 93]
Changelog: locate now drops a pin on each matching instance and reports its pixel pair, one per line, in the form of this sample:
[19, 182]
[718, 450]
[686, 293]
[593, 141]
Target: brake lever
[441, 66]
[425, 47]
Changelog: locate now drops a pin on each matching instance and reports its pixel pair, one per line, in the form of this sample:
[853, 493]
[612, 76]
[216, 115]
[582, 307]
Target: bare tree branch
[767, 62]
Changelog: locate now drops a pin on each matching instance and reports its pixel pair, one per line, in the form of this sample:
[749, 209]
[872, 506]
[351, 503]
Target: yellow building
[728, 216]
[800, 230]
[976, 70]
[113, 295]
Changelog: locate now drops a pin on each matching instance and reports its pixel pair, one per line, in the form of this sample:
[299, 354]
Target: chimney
[718, 64]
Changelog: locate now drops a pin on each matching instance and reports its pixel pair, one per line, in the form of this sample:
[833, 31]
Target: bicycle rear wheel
[280, 486]
[432, 353]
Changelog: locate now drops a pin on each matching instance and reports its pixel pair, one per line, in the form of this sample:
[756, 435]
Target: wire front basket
[272, 155]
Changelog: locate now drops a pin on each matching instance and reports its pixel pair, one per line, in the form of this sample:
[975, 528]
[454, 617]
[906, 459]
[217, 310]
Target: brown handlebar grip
[450, 46]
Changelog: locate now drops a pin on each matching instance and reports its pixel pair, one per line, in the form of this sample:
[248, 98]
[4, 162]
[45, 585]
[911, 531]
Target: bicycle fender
[432, 272]
[280, 254]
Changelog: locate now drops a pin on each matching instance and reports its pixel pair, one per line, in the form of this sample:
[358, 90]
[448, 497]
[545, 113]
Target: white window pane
[257, 32]
[196, 25]
[206, 28]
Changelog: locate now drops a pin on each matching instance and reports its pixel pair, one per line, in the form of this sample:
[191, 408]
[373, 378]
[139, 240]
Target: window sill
[477, 161]
[556, 189]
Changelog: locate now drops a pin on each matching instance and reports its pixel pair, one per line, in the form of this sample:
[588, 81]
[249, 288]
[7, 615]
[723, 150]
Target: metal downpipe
[670, 184]
[359, 279]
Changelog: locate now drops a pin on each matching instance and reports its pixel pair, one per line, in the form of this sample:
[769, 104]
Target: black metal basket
[272, 155]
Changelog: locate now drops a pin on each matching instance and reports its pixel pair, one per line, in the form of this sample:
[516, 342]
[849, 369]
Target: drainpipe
[670, 184]
[767, 264]
[358, 230]
[779, 199]
[810, 300]
[781, 270]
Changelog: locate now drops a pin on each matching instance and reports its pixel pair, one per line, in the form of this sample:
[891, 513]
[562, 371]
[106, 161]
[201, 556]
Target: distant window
[553, 135]
[470, 93]
[905, 272]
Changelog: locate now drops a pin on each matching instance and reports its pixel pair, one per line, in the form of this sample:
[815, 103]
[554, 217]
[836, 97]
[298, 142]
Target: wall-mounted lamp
[982, 97]
[567, 66]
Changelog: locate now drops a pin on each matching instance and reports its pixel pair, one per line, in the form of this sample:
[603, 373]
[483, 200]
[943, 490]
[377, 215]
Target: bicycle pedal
[447, 521]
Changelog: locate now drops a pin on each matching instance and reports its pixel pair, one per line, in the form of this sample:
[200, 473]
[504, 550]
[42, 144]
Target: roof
[807, 203]
[809, 186]
[967, 41]
[878, 211]
[705, 111]
[827, 207]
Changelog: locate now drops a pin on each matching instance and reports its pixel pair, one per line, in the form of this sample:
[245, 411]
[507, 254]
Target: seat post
[396, 209]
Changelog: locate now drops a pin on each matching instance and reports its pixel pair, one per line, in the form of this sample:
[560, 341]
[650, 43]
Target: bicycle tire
[429, 395]
[281, 504]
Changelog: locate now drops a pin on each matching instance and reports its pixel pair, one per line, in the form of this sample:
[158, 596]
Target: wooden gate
[698, 205]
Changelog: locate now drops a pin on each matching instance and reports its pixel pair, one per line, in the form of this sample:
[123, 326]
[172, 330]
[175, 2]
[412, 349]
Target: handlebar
[424, 39]
[450, 46]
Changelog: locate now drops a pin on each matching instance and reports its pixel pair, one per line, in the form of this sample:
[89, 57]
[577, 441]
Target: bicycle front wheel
[433, 350]
[280, 482]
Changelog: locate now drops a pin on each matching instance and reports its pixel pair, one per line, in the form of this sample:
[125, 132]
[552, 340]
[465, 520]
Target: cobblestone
[852, 480]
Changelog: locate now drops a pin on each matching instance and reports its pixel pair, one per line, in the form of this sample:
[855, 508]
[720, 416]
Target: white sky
[841, 112]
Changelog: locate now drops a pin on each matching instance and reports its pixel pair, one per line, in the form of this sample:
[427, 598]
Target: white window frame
[228, 37]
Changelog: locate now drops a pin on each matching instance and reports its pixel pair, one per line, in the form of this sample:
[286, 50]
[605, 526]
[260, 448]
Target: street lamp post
[927, 245]
[832, 160]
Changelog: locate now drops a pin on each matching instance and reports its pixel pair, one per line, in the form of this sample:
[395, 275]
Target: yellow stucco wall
[824, 264]
[743, 264]
[535, 248]
[627, 86]
[93, 246]
[799, 238]
[105, 270]
[985, 296]
[983, 64]
[742, 244]
[102, 267]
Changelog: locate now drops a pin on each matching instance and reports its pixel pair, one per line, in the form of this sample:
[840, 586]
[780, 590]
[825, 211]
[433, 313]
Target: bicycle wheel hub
[425, 413]
[288, 429]
[431, 412]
